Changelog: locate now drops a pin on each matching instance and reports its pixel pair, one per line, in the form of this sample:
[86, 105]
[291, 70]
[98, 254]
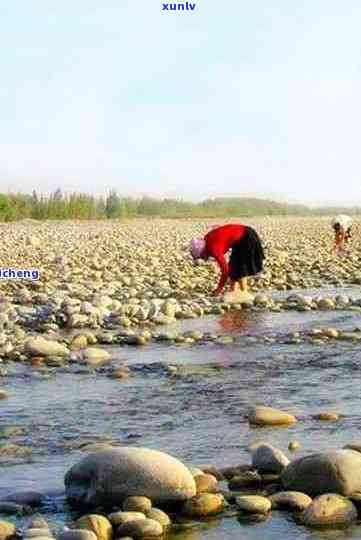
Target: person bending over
[342, 227]
[246, 253]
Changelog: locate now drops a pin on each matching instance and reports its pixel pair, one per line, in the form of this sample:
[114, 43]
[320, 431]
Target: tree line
[60, 206]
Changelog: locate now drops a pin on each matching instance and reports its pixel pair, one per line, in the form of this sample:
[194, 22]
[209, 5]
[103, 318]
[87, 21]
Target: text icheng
[187, 6]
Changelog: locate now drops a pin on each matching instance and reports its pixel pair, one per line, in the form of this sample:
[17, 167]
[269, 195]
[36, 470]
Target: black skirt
[247, 256]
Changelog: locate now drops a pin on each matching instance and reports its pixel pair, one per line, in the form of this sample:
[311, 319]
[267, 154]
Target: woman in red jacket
[246, 256]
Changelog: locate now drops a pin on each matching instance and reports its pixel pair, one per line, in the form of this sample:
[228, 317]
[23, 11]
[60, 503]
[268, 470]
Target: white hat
[344, 221]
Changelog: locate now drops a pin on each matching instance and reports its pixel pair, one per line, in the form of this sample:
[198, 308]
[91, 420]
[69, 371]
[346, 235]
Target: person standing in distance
[342, 227]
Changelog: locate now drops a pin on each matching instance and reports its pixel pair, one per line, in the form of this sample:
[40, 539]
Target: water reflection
[241, 321]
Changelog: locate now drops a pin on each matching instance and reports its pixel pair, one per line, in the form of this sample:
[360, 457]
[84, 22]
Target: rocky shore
[104, 286]
[125, 283]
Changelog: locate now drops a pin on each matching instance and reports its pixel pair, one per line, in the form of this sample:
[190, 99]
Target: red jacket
[219, 241]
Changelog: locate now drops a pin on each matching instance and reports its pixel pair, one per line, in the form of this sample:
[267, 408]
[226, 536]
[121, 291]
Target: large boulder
[338, 471]
[329, 510]
[107, 478]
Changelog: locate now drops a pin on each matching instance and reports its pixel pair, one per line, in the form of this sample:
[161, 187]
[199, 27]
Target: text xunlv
[179, 7]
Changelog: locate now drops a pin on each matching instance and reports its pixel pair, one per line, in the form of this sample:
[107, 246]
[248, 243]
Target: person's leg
[243, 283]
[234, 286]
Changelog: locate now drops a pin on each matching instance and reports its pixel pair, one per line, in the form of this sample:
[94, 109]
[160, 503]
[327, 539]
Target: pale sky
[235, 98]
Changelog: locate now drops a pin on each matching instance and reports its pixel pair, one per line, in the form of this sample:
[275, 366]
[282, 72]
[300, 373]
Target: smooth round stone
[4, 394]
[118, 518]
[142, 528]
[268, 459]
[326, 303]
[329, 510]
[290, 500]
[7, 530]
[253, 504]
[268, 416]
[106, 478]
[97, 524]
[331, 333]
[225, 340]
[158, 515]
[327, 416]
[206, 504]
[79, 342]
[39, 346]
[205, 483]
[94, 355]
[137, 504]
[294, 446]
[337, 471]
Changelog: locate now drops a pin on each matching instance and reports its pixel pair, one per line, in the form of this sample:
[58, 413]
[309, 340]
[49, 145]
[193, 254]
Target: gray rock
[338, 471]
[268, 459]
[329, 510]
[109, 477]
[39, 346]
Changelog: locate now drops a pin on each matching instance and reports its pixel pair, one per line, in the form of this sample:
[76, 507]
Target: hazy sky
[237, 97]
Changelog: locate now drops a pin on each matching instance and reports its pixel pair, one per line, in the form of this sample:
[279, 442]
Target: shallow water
[197, 415]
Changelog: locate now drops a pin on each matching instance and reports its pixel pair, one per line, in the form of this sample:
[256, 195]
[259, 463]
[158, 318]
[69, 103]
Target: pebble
[205, 504]
[142, 528]
[253, 504]
[137, 504]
